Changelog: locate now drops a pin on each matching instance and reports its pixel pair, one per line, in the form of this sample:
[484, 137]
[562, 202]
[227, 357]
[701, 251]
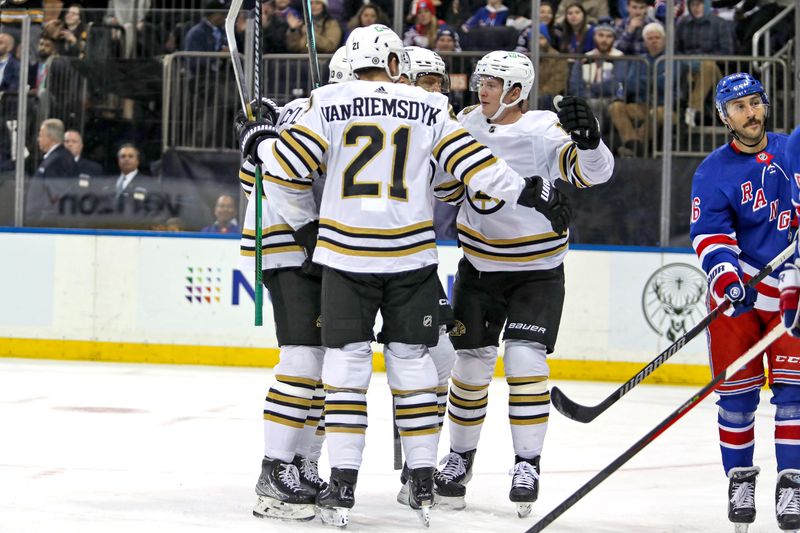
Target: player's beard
[745, 135]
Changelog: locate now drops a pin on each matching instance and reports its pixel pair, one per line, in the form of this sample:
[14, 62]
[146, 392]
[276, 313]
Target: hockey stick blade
[756, 350]
[585, 414]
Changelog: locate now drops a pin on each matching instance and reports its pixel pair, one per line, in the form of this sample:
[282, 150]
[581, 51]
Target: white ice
[104, 447]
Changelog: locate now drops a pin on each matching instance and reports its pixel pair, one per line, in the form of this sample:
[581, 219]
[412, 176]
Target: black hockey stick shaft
[585, 413]
[398, 448]
[311, 44]
[756, 350]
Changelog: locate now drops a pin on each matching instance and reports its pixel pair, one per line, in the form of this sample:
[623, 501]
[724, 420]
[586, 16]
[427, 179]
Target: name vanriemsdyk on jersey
[278, 247]
[496, 237]
[376, 213]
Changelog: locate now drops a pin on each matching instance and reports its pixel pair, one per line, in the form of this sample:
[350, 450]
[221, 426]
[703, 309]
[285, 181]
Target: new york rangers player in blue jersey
[741, 220]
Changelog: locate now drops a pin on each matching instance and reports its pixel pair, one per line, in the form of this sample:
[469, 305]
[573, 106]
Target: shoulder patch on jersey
[468, 109]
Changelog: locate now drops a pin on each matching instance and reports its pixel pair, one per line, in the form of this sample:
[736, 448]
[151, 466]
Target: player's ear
[394, 65]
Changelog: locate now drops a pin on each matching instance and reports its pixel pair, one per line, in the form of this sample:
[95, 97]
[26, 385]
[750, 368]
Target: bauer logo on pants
[673, 299]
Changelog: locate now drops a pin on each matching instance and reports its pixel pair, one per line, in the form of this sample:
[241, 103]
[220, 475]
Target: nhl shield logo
[673, 299]
[427, 321]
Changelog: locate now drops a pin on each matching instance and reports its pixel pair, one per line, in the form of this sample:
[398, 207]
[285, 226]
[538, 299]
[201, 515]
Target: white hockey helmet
[371, 47]
[511, 67]
[424, 62]
[339, 67]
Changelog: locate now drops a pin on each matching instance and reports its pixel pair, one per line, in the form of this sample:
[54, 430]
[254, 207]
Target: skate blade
[740, 528]
[334, 516]
[449, 503]
[524, 509]
[424, 515]
[402, 496]
[272, 508]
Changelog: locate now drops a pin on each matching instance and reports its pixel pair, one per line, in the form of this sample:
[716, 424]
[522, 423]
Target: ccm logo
[787, 359]
[526, 327]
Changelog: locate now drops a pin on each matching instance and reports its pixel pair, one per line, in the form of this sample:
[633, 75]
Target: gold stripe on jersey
[486, 162]
[513, 258]
[364, 251]
[247, 177]
[271, 249]
[461, 155]
[569, 167]
[276, 229]
[302, 153]
[292, 184]
[311, 136]
[376, 233]
[444, 143]
[448, 186]
[509, 243]
[453, 197]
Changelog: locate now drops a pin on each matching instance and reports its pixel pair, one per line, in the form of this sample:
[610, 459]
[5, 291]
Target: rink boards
[178, 298]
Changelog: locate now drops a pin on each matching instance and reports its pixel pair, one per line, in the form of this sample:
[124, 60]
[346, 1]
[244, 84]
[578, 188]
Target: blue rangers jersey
[742, 214]
[793, 161]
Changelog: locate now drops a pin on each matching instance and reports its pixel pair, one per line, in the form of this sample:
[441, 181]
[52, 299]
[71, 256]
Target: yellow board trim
[182, 354]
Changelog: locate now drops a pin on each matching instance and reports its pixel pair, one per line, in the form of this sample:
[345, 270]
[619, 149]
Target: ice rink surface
[113, 448]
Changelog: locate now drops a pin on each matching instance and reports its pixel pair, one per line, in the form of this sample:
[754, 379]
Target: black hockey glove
[267, 109]
[306, 237]
[577, 119]
[549, 201]
[250, 134]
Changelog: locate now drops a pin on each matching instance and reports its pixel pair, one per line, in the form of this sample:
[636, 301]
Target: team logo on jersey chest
[673, 299]
[483, 203]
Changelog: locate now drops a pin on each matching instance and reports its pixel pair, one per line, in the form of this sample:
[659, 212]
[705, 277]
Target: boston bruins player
[293, 426]
[512, 271]
[376, 244]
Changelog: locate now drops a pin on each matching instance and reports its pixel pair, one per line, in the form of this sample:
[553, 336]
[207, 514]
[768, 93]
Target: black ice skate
[402, 496]
[336, 500]
[280, 494]
[741, 497]
[524, 484]
[309, 474]
[420, 493]
[787, 500]
[450, 482]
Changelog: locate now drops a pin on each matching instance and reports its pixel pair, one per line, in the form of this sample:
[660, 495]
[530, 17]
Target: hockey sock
[345, 427]
[285, 410]
[528, 413]
[466, 413]
[736, 438]
[787, 436]
[443, 356]
[310, 445]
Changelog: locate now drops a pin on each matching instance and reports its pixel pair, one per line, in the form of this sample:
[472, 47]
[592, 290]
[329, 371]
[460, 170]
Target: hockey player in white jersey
[376, 244]
[512, 271]
[293, 425]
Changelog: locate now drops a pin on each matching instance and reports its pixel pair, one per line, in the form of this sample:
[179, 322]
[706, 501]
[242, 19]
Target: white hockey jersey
[494, 235]
[376, 214]
[278, 247]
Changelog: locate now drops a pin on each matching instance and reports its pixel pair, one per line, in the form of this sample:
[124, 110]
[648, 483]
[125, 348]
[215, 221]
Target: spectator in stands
[283, 9]
[447, 41]
[130, 14]
[629, 29]
[578, 37]
[594, 10]
[751, 15]
[660, 11]
[37, 74]
[74, 143]
[552, 72]
[547, 27]
[208, 35]
[131, 185]
[275, 28]
[632, 116]
[57, 162]
[423, 32]
[225, 214]
[595, 77]
[366, 15]
[9, 65]
[11, 14]
[74, 32]
[327, 31]
[702, 33]
[494, 13]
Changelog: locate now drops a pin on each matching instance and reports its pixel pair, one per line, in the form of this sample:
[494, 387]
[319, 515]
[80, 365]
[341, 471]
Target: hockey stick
[756, 350]
[244, 97]
[585, 413]
[311, 44]
[398, 449]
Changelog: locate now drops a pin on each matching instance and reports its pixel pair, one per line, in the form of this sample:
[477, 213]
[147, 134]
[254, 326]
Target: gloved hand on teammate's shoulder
[306, 236]
[577, 119]
[790, 295]
[543, 196]
[726, 284]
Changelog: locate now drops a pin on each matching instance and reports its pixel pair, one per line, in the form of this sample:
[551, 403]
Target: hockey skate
[450, 482]
[309, 474]
[787, 500]
[420, 493]
[741, 497]
[402, 496]
[280, 494]
[524, 484]
[336, 500]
